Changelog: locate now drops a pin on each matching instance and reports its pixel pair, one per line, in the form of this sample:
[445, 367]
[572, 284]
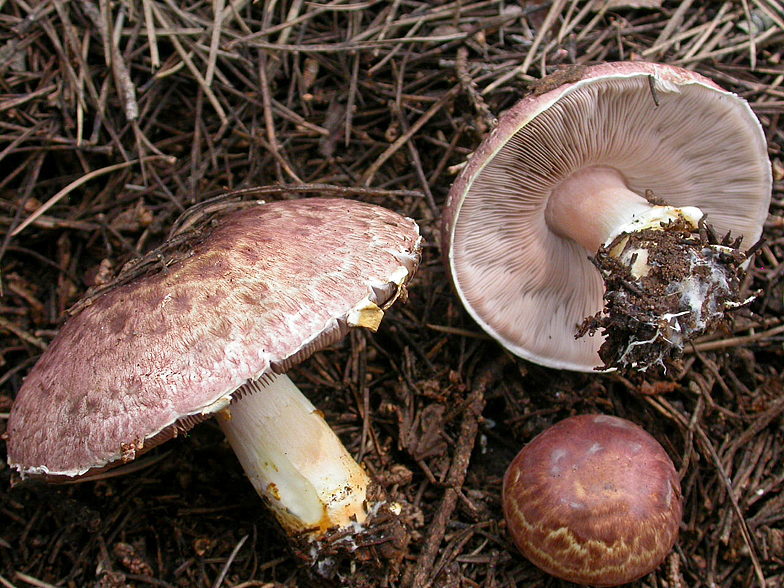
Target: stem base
[664, 287]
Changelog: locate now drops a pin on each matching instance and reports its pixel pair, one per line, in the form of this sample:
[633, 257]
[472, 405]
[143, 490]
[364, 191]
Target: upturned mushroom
[596, 164]
[594, 499]
[206, 326]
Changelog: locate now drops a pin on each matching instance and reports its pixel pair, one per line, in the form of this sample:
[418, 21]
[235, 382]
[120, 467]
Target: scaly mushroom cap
[266, 287]
[668, 131]
[594, 499]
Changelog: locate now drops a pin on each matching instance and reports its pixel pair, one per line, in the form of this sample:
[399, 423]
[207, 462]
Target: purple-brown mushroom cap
[594, 499]
[670, 132]
[257, 291]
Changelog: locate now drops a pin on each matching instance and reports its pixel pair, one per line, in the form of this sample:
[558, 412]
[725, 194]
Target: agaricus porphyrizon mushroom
[208, 329]
[586, 161]
[594, 499]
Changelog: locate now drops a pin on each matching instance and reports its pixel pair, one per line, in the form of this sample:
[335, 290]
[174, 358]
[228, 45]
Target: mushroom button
[594, 500]
[598, 166]
[244, 296]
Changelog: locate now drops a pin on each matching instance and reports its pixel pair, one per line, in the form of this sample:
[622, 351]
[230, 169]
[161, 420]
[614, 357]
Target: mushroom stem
[594, 205]
[665, 283]
[294, 459]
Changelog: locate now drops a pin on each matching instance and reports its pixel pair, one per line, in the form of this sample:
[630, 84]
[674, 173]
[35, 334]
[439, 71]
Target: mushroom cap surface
[252, 292]
[668, 131]
[594, 499]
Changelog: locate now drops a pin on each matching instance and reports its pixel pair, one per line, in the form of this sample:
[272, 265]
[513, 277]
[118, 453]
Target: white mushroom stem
[594, 205]
[294, 459]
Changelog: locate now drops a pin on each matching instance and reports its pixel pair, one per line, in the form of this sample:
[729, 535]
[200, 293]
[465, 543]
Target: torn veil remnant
[570, 169]
[208, 327]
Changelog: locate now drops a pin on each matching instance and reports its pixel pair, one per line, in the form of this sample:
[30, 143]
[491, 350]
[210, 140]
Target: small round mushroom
[593, 156]
[593, 500]
[207, 326]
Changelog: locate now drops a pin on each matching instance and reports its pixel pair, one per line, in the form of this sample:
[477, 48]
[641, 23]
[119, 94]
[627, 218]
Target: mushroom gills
[569, 164]
[294, 459]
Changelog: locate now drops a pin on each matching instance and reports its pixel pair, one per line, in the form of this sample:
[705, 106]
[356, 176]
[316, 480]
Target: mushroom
[594, 500]
[207, 326]
[595, 155]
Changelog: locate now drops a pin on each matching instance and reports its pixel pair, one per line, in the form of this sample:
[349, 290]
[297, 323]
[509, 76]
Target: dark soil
[117, 116]
[688, 285]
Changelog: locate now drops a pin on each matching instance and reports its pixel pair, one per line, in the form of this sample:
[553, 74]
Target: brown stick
[456, 477]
